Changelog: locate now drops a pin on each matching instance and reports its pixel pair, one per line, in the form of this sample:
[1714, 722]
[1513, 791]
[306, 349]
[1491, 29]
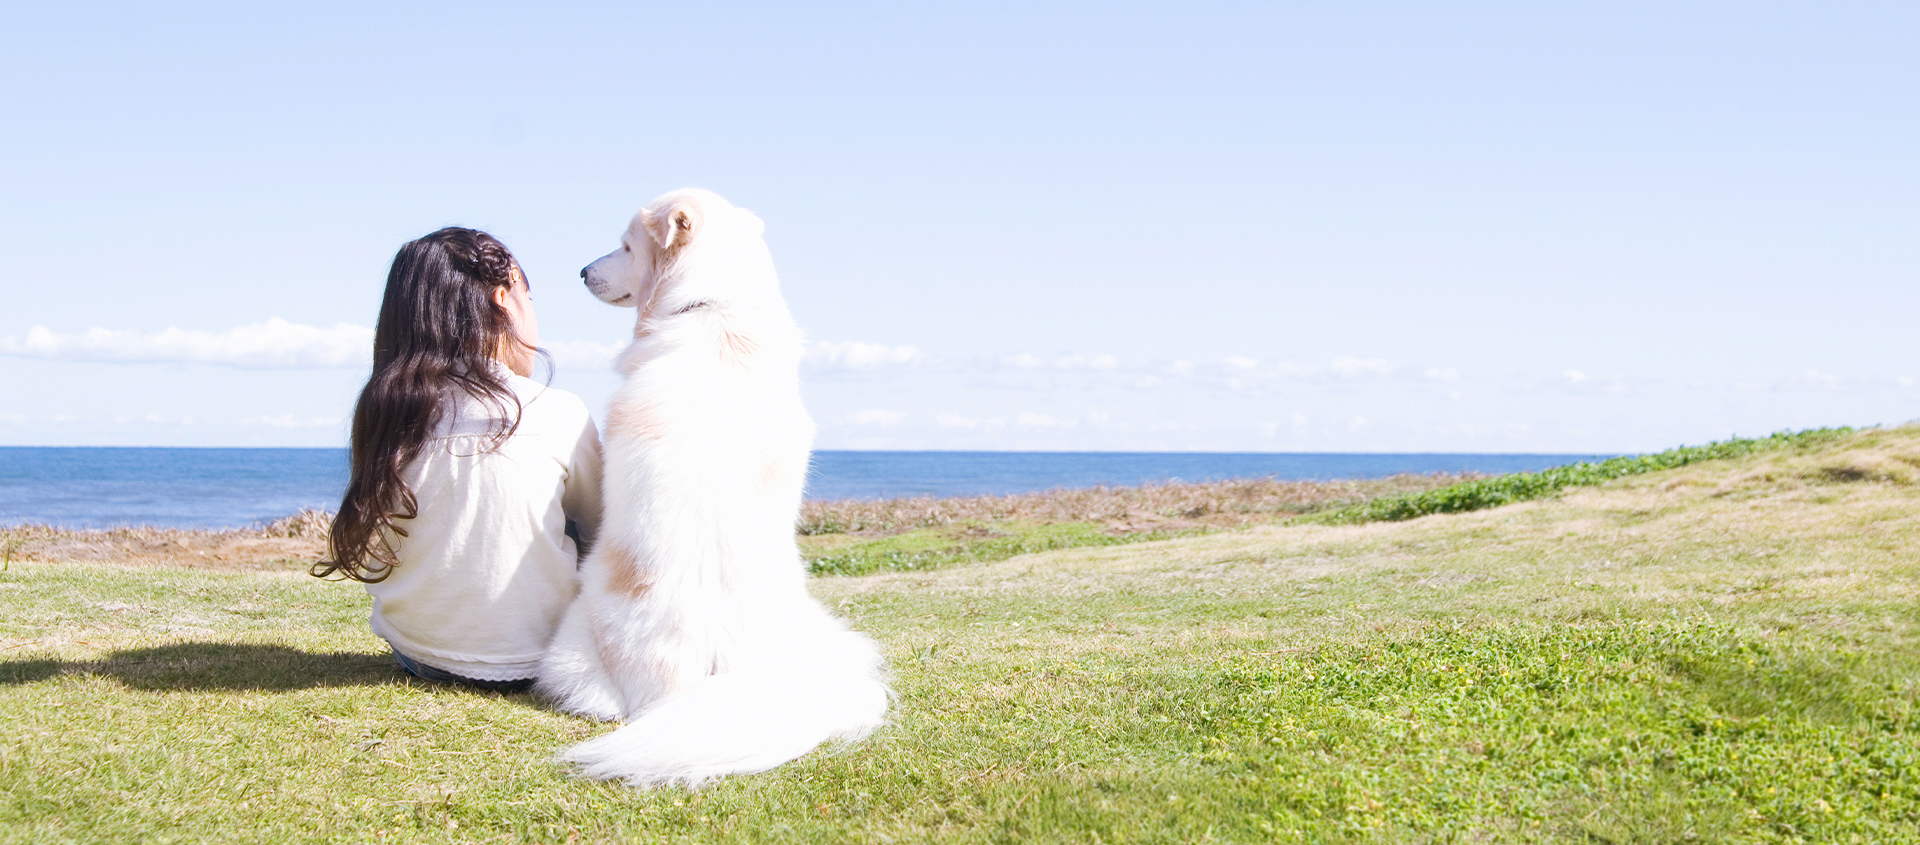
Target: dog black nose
[583, 272]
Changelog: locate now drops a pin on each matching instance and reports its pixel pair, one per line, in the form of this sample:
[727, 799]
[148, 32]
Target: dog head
[687, 247]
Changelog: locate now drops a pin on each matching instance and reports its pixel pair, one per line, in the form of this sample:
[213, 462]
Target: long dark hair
[439, 332]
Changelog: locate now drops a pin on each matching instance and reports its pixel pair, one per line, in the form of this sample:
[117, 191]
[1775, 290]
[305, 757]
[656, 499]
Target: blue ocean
[101, 487]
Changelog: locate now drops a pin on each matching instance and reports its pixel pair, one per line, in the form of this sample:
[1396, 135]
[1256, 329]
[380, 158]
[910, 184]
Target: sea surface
[102, 487]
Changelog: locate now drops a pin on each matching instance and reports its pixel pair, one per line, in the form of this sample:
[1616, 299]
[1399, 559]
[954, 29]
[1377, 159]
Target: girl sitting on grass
[472, 485]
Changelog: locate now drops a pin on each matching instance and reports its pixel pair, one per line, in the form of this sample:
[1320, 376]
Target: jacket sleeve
[581, 499]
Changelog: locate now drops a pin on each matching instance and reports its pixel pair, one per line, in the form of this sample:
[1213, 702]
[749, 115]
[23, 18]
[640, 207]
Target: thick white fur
[693, 624]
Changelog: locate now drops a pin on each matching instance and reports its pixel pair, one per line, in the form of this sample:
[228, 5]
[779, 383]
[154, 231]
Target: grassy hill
[1726, 650]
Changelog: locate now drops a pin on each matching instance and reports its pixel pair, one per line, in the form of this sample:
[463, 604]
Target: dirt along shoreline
[298, 540]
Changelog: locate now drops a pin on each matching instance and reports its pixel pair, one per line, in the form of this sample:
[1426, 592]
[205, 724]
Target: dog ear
[673, 225]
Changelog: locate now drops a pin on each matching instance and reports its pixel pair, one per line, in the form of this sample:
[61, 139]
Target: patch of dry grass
[1154, 507]
[297, 539]
[302, 537]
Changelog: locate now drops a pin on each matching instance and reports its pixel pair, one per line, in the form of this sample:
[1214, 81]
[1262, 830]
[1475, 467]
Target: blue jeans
[441, 676]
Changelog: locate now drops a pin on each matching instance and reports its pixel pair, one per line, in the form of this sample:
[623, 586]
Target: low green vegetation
[977, 534]
[1216, 503]
[960, 544]
[1482, 493]
[858, 537]
[1723, 651]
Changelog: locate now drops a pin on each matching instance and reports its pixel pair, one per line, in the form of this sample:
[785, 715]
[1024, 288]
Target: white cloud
[272, 345]
[1350, 367]
[1815, 379]
[1240, 363]
[1575, 376]
[853, 355]
[1074, 361]
[1028, 419]
[289, 421]
[1181, 368]
[876, 416]
[1438, 374]
[951, 420]
[1904, 381]
[1098, 417]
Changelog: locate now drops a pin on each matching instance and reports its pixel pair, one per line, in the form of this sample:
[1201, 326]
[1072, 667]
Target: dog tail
[743, 722]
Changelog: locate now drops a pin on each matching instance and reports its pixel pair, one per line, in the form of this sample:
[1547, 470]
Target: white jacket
[486, 569]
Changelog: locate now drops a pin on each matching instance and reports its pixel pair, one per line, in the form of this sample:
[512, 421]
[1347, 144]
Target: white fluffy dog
[693, 623]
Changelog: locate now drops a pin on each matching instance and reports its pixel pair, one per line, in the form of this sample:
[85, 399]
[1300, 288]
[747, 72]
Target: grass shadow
[188, 667]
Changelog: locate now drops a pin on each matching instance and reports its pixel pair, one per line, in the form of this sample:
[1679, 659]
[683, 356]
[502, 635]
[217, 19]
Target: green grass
[963, 543]
[1728, 651]
[987, 540]
[1483, 493]
[1647, 732]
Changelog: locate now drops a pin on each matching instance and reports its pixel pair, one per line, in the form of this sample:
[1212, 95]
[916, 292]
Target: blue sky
[1491, 227]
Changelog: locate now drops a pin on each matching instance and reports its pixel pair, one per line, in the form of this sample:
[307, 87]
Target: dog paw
[600, 714]
[589, 708]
